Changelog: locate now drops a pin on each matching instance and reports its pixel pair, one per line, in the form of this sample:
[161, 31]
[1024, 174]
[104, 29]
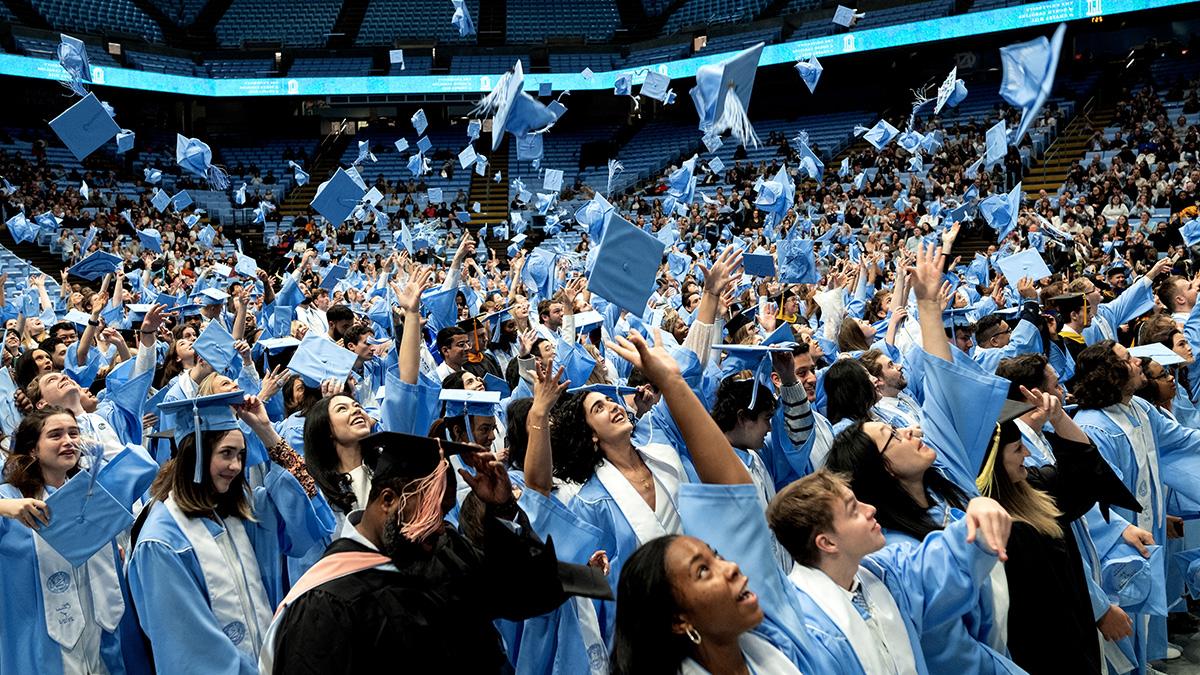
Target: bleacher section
[99, 17]
[182, 12]
[226, 68]
[487, 64]
[45, 49]
[330, 67]
[654, 55]
[575, 63]
[266, 157]
[158, 63]
[709, 12]
[738, 41]
[298, 23]
[389, 22]
[536, 20]
[413, 65]
[447, 143]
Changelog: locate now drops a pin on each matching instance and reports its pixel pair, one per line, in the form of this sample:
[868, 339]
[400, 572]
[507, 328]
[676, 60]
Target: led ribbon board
[864, 40]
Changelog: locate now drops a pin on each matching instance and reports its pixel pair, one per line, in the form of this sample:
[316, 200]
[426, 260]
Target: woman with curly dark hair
[1149, 450]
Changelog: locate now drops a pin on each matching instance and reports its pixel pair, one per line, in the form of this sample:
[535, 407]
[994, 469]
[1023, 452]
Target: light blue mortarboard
[125, 140]
[419, 122]
[194, 416]
[1001, 211]
[1029, 69]
[85, 126]
[72, 56]
[94, 506]
[997, 143]
[722, 95]
[515, 111]
[151, 239]
[461, 19]
[160, 200]
[810, 71]
[338, 197]
[1137, 581]
[152, 175]
[318, 359]
[206, 236]
[181, 200]
[881, 134]
[424, 145]
[626, 265]
[96, 265]
[1191, 232]
[797, 265]
[215, 345]
[473, 128]
[758, 264]
[195, 157]
[1027, 263]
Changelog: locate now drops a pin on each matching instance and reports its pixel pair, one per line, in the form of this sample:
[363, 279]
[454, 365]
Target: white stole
[1036, 442]
[63, 599]
[823, 442]
[761, 656]
[1145, 452]
[835, 602]
[242, 619]
[666, 468]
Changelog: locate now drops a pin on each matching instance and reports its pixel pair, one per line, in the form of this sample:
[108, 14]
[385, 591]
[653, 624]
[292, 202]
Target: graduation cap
[626, 265]
[318, 359]
[996, 143]
[846, 17]
[338, 197]
[1029, 69]
[514, 110]
[1011, 411]
[125, 139]
[657, 87]
[1190, 232]
[467, 157]
[333, 276]
[72, 56]
[85, 126]
[195, 157]
[722, 95]
[215, 345]
[881, 134]
[22, 229]
[1001, 211]
[151, 239]
[419, 122]
[462, 402]
[181, 200]
[204, 413]
[401, 144]
[1137, 581]
[298, 173]
[211, 296]
[957, 317]
[1158, 352]
[810, 71]
[461, 19]
[797, 264]
[94, 505]
[96, 265]
[759, 264]
[424, 145]
[1027, 263]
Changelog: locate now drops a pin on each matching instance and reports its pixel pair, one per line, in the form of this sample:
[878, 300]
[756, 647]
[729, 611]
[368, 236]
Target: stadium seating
[46, 49]
[389, 22]
[487, 64]
[413, 65]
[330, 67]
[535, 20]
[299, 23]
[266, 156]
[99, 16]
[182, 12]
[174, 65]
[226, 68]
[575, 63]
[736, 41]
[708, 12]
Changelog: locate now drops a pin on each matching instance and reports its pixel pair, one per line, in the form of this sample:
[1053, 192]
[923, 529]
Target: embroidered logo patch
[59, 582]
[236, 632]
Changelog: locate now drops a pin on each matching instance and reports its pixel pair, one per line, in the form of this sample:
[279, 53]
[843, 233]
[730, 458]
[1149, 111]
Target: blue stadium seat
[299, 23]
[534, 20]
[390, 21]
[99, 16]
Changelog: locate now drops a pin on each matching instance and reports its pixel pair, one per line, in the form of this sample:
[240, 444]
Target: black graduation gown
[1050, 623]
[433, 616]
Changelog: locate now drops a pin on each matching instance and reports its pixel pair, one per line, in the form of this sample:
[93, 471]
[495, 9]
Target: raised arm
[89, 333]
[239, 317]
[926, 278]
[711, 453]
[408, 299]
[539, 463]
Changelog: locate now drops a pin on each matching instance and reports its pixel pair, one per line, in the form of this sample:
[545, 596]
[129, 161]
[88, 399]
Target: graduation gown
[1047, 581]
[426, 612]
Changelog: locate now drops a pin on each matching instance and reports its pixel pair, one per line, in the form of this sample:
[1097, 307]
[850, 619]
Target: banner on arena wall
[863, 40]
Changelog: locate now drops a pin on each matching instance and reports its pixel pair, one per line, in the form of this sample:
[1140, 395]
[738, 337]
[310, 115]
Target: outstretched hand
[987, 518]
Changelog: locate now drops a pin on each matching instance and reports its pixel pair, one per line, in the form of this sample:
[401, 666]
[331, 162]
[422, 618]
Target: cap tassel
[198, 472]
[488, 105]
[428, 492]
[736, 120]
[218, 179]
[985, 481]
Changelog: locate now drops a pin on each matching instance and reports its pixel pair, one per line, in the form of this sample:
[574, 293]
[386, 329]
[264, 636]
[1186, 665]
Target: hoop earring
[693, 635]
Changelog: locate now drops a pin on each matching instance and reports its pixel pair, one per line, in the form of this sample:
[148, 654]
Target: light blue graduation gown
[554, 642]
[168, 586]
[1130, 304]
[26, 647]
[1025, 340]
[291, 429]
[1178, 468]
